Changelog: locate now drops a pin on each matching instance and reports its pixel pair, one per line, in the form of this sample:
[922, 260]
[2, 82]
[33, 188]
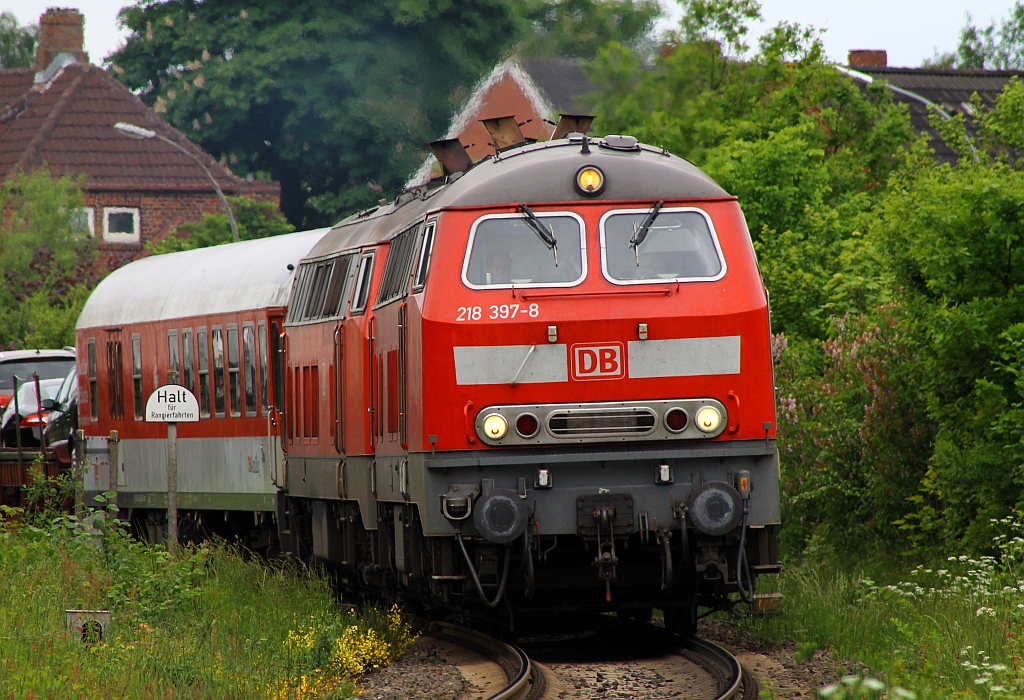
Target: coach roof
[535, 174]
[220, 279]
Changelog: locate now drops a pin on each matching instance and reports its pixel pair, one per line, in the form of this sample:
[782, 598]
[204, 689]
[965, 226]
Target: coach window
[424, 259]
[249, 367]
[173, 358]
[115, 376]
[187, 363]
[204, 372]
[234, 377]
[261, 336]
[94, 406]
[526, 250]
[137, 376]
[318, 290]
[363, 279]
[676, 245]
[334, 305]
[277, 362]
[217, 339]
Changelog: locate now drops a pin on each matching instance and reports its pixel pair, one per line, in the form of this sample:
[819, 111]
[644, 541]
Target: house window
[83, 220]
[121, 224]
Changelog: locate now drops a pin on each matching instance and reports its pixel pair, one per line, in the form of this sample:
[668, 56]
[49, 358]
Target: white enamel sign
[172, 403]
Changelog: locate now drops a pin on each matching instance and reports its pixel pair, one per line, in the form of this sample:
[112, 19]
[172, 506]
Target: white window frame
[121, 237]
[90, 217]
[530, 285]
[669, 280]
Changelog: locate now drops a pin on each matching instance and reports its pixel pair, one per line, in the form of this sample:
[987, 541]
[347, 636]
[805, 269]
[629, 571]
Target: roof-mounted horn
[452, 155]
[569, 123]
[504, 132]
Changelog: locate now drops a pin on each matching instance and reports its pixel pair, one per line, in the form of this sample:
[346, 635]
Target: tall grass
[205, 624]
[954, 629]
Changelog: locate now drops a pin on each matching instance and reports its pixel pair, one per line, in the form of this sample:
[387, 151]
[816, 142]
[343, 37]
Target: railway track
[526, 679]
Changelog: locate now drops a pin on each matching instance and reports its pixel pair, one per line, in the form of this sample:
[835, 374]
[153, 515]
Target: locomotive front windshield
[506, 250]
[677, 245]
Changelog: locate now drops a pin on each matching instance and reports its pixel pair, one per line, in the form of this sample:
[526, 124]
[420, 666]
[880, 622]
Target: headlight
[495, 426]
[589, 180]
[708, 419]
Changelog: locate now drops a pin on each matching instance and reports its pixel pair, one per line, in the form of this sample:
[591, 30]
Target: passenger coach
[211, 320]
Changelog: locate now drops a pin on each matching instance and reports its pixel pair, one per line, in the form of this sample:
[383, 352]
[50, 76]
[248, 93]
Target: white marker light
[708, 419]
[495, 426]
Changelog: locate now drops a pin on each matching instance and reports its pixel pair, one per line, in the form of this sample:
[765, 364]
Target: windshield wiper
[545, 234]
[640, 232]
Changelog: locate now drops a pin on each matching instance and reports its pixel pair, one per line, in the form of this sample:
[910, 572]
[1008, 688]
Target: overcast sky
[910, 30]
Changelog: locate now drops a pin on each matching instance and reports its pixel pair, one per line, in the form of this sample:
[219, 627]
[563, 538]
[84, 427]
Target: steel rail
[513, 661]
[722, 665]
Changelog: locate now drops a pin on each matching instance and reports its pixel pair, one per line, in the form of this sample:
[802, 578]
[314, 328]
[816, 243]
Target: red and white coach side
[209, 319]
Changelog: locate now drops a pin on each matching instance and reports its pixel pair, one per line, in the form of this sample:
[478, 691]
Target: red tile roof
[67, 124]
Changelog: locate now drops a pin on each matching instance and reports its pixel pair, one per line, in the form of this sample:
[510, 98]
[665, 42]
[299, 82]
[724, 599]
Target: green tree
[579, 28]
[336, 101]
[999, 46]
[255, 219]
[806, 149]
[46, 257]
[17, 43]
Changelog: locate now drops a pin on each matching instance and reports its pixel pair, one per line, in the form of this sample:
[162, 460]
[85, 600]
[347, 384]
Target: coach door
[275, 413]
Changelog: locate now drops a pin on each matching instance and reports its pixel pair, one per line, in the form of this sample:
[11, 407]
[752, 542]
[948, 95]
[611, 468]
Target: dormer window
[121, 224]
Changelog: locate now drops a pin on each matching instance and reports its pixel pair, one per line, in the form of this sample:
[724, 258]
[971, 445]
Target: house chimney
[867, 58]
[60, 31]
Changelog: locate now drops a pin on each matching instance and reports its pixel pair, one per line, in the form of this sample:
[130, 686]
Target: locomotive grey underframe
[422, 478]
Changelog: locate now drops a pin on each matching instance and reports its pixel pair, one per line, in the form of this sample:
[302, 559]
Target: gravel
[423, 672]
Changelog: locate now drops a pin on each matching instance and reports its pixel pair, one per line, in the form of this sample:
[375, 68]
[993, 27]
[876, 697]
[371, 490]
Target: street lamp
[137, 132]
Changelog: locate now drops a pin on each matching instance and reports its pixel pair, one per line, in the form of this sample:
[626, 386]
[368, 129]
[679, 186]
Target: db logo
[598, 361]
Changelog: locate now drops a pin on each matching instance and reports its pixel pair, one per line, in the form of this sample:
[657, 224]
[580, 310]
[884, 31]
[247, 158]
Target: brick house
[533, 90]
[945, 90]
[60, 114]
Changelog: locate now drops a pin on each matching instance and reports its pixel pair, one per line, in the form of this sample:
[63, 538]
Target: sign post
[172, 404]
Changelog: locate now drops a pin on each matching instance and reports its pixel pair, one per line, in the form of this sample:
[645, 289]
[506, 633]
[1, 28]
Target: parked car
[48, 364]
[23, 414]
[63, 420]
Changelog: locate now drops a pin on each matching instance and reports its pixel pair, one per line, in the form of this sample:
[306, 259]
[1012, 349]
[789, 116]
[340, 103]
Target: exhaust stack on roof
[451, 154]
[504, 132]
[569, 123]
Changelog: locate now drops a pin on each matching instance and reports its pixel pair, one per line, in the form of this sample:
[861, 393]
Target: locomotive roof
[537, 173]
[219, 279]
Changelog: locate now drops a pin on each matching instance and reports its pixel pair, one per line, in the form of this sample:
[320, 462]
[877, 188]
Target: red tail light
[4, 400]
[34, 420]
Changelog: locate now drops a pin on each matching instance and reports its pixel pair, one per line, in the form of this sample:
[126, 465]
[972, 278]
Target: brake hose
[742, 565]
[476, 579]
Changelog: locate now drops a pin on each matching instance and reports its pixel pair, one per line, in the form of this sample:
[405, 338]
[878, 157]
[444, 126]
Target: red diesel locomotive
[551, 388]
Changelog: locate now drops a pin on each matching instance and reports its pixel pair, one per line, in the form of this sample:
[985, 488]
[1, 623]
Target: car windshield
[47, 368]
[678, 245]
[27, 403]
[507, 251]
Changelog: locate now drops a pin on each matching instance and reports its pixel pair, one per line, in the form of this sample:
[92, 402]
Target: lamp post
[137, 132]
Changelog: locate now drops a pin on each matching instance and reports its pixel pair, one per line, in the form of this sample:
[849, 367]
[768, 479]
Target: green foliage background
[895, 281]
[46, 261]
